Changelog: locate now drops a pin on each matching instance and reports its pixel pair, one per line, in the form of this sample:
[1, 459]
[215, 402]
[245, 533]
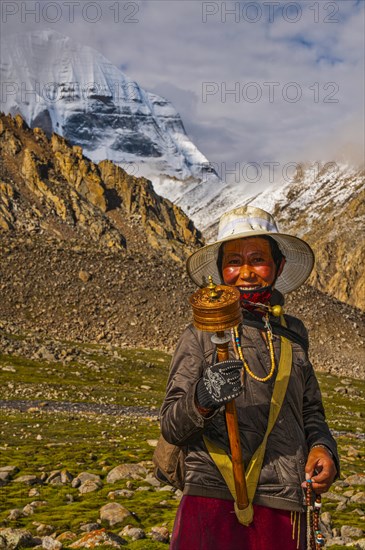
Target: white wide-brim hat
[249, 221]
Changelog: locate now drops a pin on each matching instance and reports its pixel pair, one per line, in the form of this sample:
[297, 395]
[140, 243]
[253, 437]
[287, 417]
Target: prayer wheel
[216, 309]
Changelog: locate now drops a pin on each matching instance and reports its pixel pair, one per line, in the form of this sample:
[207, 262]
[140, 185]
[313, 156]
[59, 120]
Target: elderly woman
[263, 264]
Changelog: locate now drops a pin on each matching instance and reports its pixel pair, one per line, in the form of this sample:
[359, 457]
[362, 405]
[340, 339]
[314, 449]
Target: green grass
[70, 440]
[83, 441]
[90, 379]
[77, 445]
[345, 412]
[96, 443]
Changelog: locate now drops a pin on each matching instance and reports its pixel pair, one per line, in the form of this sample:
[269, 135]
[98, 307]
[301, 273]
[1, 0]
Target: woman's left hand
[320, 460]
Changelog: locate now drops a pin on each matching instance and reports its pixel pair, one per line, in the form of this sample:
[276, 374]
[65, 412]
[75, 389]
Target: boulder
[135, 533]
[4, 478]
[15, 514]
[89, 486]
[356, 479]
[66, 476]
[11, 470]
[28, 480]
[66, 536]
[126, 471]
[49, 543]
[359, 497]
[335, 497]
[88, 527]
[98, 538]
[338, 541]
[86, 476]
[349, 531]
[54, 478]
[152, 481]
[160, 534]
[114, 513]
[12, 539]
[28, 510]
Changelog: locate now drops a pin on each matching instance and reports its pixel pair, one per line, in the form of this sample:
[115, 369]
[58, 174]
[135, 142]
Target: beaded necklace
[315, 538]
[236, 336]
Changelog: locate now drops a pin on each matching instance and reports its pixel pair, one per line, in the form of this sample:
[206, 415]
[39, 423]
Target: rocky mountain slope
[328, 211]
[68, 225]
[49, 187]
[61, 86]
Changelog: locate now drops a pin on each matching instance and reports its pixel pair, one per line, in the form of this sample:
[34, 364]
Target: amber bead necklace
[237, 340]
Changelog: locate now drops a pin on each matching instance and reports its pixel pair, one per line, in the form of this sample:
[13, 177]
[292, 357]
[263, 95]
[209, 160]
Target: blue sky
[253, 81]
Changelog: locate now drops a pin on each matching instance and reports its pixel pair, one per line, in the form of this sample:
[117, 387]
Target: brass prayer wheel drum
[216, 308]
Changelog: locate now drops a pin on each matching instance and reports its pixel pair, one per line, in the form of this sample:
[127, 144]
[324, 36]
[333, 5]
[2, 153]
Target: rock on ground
[126, 471]
[356, 479]
[353, 532]
[12, 539]
[160, 534]
[49, 543]
[135, 533]
[98, 538]
[114, 513]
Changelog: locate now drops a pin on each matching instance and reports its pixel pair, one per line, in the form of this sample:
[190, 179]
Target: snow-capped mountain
[313, 193]
[73, 90]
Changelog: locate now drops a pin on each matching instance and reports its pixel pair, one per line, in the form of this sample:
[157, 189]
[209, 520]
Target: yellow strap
[223, 461]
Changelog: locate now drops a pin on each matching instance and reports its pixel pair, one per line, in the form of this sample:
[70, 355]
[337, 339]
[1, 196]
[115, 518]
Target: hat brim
[298, 266]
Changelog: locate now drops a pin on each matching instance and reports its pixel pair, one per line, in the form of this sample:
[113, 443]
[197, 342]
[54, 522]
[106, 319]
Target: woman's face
[248, 263]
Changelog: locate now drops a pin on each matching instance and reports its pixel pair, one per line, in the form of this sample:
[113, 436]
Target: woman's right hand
[221, 383]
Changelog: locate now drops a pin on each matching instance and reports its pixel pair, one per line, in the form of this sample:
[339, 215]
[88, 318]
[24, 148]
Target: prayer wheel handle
[216, 308]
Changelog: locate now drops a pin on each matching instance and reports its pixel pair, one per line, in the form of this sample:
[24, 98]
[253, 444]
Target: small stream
[113, 410]
[66, 406]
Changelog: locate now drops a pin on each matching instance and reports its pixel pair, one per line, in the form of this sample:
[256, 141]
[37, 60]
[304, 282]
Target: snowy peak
[315, 190]
[326, 207]
[73, 90]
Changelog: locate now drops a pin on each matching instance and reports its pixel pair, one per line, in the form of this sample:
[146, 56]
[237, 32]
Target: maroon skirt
[210, 524]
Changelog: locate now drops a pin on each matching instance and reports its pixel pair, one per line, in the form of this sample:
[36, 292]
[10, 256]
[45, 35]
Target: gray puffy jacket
[300, 425]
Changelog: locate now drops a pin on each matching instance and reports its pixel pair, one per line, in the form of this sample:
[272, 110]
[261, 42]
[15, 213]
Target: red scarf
[258, 296]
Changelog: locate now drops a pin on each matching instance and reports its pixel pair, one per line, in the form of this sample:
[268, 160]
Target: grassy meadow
[39, 440]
